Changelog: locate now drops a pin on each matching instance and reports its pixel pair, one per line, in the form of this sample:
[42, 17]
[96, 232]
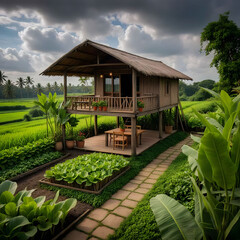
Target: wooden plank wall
[99, 85]
[149, 85]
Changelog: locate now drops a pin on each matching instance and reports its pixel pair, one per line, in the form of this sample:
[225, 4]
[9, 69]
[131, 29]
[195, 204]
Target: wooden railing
[114, 104]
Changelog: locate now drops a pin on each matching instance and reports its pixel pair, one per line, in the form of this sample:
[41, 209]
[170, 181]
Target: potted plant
[100, 105]
[58, 141]
[72, 122]
[95, 105]
[168, 117]
[140, 105]
[80, 139]
[104, 104]
[122, 125]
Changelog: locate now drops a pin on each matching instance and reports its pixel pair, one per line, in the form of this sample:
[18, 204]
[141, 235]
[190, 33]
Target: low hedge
[136, 164]
[176, 183]
[17, 107]
[28, 164]
[12, 156]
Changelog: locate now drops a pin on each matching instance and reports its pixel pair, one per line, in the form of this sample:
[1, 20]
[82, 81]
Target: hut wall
[149, 85]
[99, 86]
[168, 94]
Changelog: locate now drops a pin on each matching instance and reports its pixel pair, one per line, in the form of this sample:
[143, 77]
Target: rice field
[20, 133]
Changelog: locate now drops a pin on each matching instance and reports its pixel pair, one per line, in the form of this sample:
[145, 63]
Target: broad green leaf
[227, 103]
[6, 197]
[195, 138]
[204, 164]
[11, 209]
[29, 232]
[15, 223]
[228, 126]
[235, 152]
[216, 95]
[8, 186]
[174, 220]
[189, 151]
[215, 123]
[232, 223]
[215, 147]
[40, 200]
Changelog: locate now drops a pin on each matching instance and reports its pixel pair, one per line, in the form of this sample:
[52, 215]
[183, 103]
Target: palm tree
[39, 88]
[28, 81]
[55, 87]
[8, 89]
[20, 83]
[49, 87]
[3, 78]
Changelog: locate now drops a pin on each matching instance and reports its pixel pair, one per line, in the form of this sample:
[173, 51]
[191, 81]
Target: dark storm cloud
[169, 16]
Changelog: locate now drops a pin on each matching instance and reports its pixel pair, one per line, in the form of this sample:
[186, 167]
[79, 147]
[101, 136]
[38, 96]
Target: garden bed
[96, 188]
[89, 173]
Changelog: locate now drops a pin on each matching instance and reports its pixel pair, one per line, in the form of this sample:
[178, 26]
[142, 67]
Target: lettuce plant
[22, 216]
[88, 169]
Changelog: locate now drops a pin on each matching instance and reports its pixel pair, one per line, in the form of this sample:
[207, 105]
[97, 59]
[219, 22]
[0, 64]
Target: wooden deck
[97, 143]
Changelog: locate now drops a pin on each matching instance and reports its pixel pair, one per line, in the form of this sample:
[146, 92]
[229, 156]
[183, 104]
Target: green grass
[176, 183]
[6, 116]
[136, 165]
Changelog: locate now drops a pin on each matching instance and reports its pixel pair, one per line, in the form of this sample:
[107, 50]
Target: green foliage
[141, 223]
[168, 117]
[140, 104]
[88, 169]
[27, 117]
[136, 165]
[36, 112]
[222, 38]
[95, 104]
[216, 183]
[102, 104]
[11, 156]
[17, 107]
[27, 164]
[22, 216]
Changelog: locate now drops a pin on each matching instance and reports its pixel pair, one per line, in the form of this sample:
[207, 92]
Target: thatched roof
[89, 57]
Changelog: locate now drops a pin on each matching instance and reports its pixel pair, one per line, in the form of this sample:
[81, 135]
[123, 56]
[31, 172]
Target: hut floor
[97, 143]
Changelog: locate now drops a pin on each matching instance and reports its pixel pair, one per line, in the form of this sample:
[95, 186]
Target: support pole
[64, 100]
[133, 136]
[176, 117]
[134, 90]
[160, 124]
[117, 121]
[95, 125]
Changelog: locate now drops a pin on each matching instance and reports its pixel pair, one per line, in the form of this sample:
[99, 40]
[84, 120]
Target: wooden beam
[176, 117]
[98, 65]
[95, 125]
[134, 90]
[98, 61]
[160, 124]
[65, 87]
[118, 121]
[133, 136]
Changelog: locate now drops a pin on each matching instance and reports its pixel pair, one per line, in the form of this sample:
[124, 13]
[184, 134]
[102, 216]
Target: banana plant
[215, 164]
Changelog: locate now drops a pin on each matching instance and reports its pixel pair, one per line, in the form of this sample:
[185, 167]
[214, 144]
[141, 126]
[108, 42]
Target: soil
[32, 182]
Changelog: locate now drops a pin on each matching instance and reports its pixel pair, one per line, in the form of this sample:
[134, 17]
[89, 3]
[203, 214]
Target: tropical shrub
[216, 183]
[88, 169]
[27, 117]
[22, 216]
[11, 156]
[36, 112]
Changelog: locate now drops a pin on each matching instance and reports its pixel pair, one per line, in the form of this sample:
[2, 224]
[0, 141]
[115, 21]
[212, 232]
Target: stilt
[95, 125]
[160, 124]
[133, 136]
[176, 117]
[65, 100]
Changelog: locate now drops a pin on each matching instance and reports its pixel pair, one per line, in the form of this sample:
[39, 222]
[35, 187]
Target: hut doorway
[126, 85]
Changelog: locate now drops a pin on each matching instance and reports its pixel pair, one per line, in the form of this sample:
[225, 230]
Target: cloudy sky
[34, 33]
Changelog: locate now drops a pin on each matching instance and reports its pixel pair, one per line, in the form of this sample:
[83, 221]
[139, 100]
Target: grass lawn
[6, 116]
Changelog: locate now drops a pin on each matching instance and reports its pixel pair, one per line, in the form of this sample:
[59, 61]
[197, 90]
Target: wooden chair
[119, 140]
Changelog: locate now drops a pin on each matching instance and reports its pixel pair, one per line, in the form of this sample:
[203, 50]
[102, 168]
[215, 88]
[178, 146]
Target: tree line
[25, 88]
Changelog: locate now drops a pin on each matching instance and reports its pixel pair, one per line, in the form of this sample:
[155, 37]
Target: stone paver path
[105, 220]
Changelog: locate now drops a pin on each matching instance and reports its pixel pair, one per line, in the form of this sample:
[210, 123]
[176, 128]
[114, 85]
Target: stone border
[36, 169]
[44, 181]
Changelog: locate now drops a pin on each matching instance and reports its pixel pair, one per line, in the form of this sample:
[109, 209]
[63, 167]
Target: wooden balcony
[115, 105]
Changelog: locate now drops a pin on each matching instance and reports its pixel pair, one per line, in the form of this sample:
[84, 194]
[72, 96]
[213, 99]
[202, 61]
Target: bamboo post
[65, 100]
[134, 90]
[95, 125]
[160, 124]
[118, 121]
[176, 117]
[133, 136]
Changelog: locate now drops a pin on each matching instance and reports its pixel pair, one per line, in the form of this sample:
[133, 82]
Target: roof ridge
[87, 40]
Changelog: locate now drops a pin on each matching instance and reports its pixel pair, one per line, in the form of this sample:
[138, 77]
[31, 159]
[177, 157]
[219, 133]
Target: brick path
[105, 220]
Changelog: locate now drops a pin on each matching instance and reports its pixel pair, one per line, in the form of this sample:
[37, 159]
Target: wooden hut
[121, 79]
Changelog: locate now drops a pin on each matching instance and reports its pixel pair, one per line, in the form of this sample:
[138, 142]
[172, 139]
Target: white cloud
[13, 60]
[47, 40]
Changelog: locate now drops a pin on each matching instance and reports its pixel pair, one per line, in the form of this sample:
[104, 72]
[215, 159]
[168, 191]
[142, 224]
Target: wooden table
[127, 132]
